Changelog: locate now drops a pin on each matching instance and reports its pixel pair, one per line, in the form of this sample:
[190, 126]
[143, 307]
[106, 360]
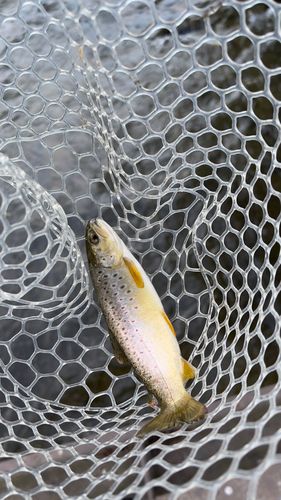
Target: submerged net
[163, 118]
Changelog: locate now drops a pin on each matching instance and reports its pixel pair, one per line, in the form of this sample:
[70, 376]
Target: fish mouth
[99, 227]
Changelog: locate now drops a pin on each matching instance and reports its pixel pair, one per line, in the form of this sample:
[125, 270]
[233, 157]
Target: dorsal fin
[168, 322]
[117, 349]
[136, 275]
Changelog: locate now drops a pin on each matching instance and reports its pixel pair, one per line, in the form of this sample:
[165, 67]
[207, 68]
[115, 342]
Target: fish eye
[94, 238]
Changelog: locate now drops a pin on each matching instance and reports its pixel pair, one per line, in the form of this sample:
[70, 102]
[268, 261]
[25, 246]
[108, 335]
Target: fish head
[103, 245]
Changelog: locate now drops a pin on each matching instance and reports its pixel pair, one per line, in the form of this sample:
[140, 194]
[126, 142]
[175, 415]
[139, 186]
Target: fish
[139, 329]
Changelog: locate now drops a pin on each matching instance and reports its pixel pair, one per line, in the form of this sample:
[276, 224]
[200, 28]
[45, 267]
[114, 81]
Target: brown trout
[139, 330]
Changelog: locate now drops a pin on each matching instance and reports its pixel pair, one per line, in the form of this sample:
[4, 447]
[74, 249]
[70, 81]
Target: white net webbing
[163, 118]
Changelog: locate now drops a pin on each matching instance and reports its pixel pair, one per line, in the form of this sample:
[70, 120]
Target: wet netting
[163, 118]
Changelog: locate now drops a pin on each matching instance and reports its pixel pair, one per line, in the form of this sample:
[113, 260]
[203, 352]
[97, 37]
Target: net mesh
[163, 118]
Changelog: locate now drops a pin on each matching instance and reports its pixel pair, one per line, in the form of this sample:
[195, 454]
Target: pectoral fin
[136, 275]
[187, 370]
[117, 349]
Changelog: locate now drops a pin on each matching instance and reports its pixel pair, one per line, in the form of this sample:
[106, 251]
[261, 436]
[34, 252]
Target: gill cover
[104, 247]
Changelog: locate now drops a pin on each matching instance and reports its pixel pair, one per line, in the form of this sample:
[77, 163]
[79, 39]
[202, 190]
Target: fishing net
[163, 118]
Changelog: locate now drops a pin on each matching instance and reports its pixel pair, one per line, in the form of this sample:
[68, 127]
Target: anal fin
[117, 349]
[187, 370]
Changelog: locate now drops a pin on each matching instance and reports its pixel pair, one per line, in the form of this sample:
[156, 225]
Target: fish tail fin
[186, 409]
